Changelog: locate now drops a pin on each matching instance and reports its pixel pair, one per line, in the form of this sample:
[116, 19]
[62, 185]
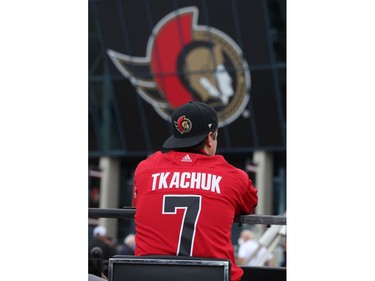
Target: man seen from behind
[186, 197]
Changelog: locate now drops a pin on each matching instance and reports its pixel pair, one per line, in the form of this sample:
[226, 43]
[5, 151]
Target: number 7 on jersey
[191, 204]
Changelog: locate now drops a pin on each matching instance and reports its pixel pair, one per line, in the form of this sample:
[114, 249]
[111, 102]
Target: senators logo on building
[185, 61]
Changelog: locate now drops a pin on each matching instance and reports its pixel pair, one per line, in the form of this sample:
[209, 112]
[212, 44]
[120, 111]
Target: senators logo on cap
[201, 62]
[183, 125]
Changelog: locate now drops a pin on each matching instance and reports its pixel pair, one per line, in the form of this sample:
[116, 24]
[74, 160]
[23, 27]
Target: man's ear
[213, 135]
[210, 138]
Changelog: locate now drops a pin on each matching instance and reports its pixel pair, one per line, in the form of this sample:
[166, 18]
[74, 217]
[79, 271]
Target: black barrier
[168, 268]
[263, 273]
[128, 213]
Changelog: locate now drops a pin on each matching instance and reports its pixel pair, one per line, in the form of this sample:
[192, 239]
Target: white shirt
[247, 248]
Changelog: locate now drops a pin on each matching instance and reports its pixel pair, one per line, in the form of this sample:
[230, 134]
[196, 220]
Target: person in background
[250, 251]
[283, 260]
[95, 271]
[101, 240]
[128, 247]
[186, 196]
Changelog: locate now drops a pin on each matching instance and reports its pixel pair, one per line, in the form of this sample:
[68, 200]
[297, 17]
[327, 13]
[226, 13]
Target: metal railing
[128, 213]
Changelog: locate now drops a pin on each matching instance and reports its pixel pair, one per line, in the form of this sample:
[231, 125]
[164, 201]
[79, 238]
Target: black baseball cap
[191, 122]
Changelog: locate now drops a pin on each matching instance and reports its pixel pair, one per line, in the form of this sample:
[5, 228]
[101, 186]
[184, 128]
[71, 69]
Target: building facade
[148, 57]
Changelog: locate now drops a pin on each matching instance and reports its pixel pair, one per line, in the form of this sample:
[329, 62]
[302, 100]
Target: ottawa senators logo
[185, 61]
[183, 125]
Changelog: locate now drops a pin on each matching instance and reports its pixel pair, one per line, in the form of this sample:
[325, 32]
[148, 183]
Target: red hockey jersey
[185, 205]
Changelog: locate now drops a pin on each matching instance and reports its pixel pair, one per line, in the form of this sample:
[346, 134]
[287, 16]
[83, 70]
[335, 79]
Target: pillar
[109, 191]
[264, 183]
